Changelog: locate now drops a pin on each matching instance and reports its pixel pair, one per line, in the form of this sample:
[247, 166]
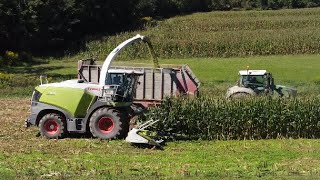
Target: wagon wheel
[52, 125]
[108, 123]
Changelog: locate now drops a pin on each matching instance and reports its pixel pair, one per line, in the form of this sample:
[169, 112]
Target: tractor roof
[252, 72]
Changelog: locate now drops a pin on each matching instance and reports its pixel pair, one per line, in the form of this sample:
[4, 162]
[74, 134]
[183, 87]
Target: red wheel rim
[51, 127]
[105, 125]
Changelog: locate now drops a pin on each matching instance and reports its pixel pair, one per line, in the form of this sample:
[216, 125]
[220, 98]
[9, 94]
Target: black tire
[108, 124]
[52, 126]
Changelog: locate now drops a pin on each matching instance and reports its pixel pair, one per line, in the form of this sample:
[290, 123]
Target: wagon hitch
[140, 136]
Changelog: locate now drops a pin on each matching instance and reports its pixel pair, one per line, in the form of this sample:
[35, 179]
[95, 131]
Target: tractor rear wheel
[240, 95]
[52, 126]
[108, 123]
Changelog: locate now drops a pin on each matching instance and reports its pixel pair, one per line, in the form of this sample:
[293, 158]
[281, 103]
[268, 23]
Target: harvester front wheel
[52, 126]
[107, 124]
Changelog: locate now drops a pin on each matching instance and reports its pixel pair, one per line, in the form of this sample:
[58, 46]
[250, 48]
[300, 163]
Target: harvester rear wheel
[52, 126]
[108, 123]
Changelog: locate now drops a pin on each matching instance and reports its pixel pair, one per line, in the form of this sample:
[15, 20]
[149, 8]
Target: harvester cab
[258, 82]
[120, 85]
[79, 106]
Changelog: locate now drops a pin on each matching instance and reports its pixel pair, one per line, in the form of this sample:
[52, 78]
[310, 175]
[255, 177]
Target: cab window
[114, 79]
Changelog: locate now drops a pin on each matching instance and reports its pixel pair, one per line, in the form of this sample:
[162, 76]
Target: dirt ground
[13, 113]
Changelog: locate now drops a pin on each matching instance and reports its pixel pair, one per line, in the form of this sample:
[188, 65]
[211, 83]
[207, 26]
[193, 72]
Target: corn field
[209, 118]
[226, 34]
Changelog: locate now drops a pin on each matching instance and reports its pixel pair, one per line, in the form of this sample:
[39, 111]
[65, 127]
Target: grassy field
[25, 156]
[290, 68]
[215, 74]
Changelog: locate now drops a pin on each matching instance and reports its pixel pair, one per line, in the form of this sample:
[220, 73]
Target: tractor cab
[120, 85]
[257, 80]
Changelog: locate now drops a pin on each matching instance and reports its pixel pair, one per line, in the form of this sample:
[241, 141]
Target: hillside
[224, 34]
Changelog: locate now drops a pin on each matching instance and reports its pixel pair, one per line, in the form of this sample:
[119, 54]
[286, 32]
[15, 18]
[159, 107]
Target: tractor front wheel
[107, 124]
[52, 126]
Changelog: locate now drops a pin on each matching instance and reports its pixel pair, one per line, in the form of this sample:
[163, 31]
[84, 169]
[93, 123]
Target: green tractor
[77, 106]
[258, 82]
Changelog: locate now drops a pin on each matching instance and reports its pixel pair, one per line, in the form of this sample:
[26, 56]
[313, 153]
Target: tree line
[39, 26]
